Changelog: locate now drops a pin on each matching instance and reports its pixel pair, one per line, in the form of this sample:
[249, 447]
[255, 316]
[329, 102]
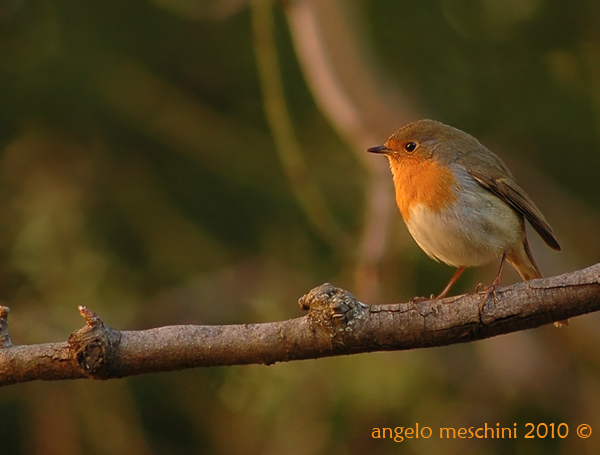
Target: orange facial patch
[423, 181]
[394, 144]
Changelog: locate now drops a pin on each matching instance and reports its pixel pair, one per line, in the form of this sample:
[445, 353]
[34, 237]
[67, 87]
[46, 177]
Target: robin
[460, 202]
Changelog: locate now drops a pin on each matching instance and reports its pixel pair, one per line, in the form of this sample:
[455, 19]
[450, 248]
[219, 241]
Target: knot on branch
[332, 307]
[4, 338]
[94, 346]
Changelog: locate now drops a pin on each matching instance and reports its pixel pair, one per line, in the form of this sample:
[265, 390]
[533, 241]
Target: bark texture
[336, 324]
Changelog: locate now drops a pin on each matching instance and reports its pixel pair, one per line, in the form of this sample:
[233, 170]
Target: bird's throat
[422, 181]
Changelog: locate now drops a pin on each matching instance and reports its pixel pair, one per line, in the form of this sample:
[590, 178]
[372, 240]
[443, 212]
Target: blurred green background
[184, 161]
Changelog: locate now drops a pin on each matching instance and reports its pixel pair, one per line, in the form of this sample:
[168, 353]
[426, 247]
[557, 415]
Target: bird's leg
[452, 281]
[490, 292]
[497, 280]
[492, 289]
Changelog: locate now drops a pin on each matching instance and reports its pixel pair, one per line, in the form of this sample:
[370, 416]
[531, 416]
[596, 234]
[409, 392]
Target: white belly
[476, 229]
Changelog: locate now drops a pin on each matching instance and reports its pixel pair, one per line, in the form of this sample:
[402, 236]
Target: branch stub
[94, 346]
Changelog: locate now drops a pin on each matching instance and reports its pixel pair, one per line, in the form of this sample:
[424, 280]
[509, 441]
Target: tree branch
[336, 324]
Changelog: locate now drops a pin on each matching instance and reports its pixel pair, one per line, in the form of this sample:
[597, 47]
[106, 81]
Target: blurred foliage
[139, 177]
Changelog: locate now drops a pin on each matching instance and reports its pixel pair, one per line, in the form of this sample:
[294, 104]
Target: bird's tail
[522, 260]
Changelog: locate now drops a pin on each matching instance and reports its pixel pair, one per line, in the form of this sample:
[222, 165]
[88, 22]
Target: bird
[460, 202]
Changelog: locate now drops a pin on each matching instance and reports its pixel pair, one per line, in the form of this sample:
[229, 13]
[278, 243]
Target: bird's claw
[419, 299]
[487, 304]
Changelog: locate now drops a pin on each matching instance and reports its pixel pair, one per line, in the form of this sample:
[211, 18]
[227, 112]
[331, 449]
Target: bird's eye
[410, 146]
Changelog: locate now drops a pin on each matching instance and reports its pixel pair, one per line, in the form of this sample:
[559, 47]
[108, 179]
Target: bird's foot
[418, 299]
[489, 293]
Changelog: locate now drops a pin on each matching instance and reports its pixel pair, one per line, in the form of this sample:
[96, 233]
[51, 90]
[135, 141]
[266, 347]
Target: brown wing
[511, 193]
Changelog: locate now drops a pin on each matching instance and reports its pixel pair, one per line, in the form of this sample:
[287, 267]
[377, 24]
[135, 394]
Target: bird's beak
[379, 149]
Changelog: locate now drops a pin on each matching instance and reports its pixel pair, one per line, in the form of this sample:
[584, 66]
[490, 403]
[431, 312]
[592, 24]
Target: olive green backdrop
[141, 176]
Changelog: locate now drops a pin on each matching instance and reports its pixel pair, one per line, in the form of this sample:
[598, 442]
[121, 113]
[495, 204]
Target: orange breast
[421, 181]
